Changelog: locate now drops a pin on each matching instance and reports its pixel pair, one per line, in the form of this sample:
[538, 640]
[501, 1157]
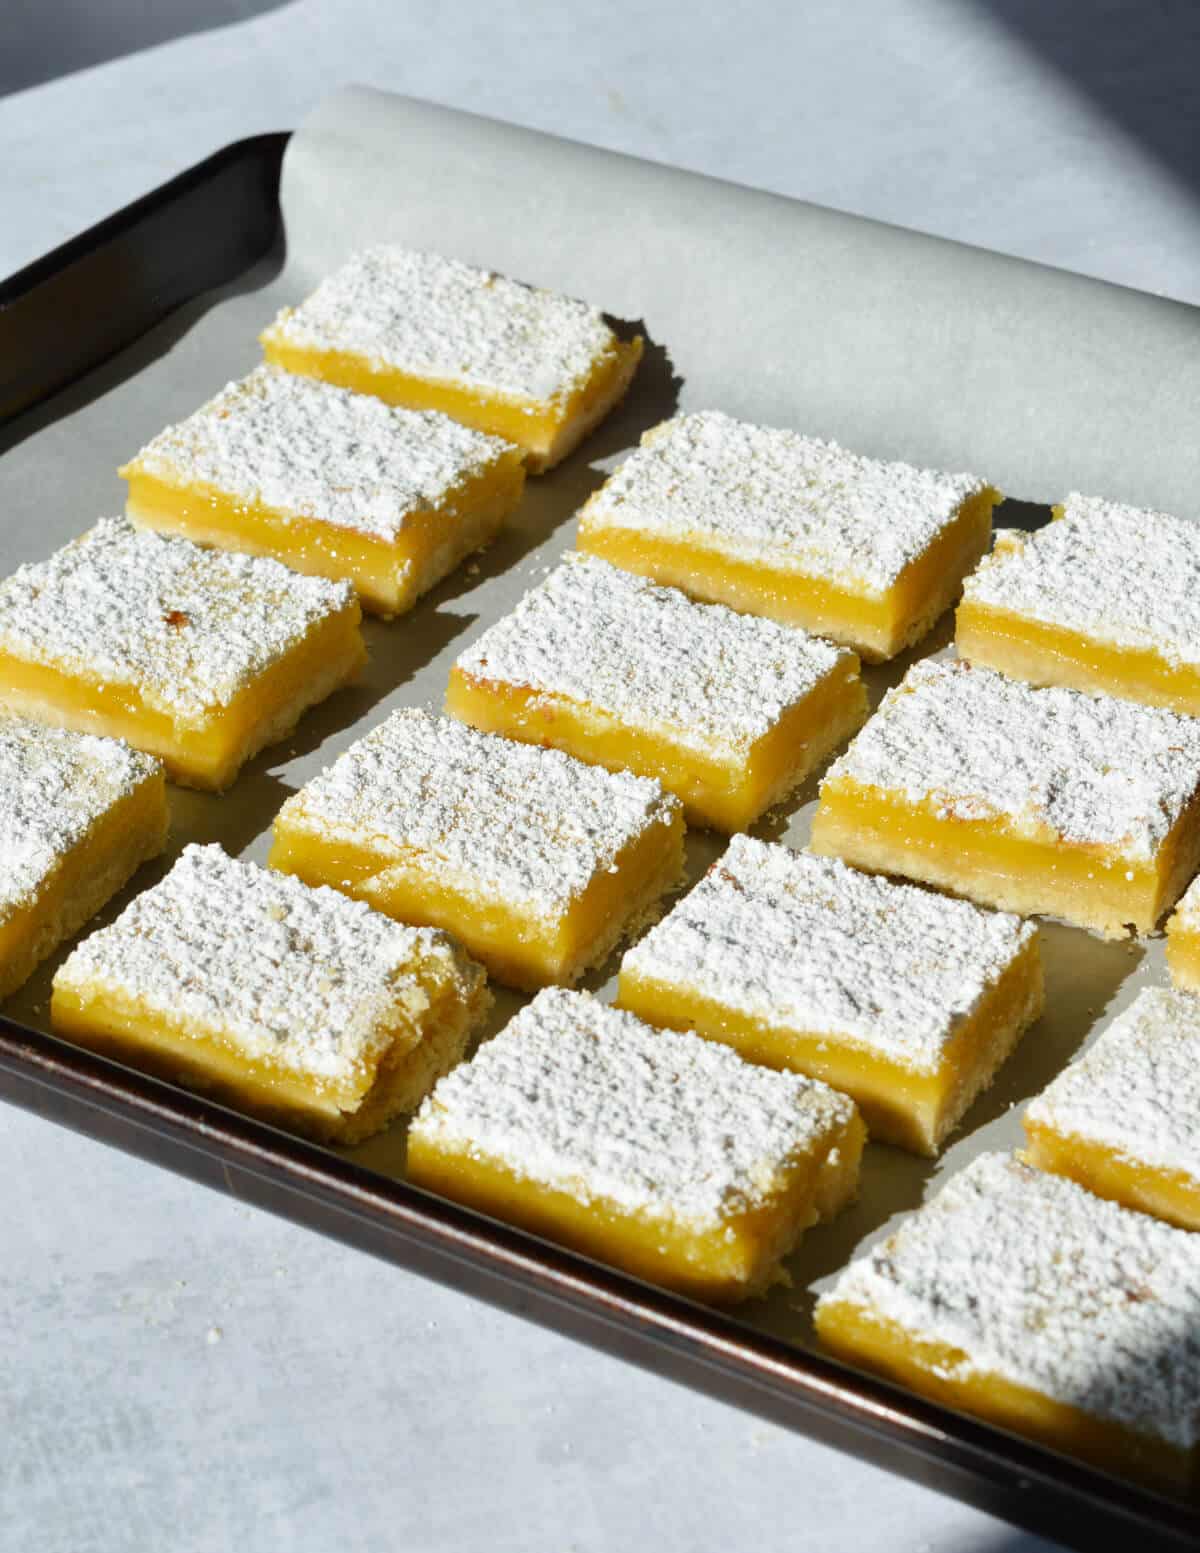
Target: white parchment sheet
[897, 344]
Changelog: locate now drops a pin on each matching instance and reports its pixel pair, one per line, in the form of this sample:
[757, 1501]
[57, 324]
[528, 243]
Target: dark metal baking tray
[202, 231]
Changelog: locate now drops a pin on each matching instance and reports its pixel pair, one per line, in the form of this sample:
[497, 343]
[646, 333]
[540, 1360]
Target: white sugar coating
[811, 944]
[781, 499]
[586, 1098]
[54, 786]
[1137, 1087]
[1118, 574]
[304, 978]
[1187, 912]
[650, 656]
[1039, 1282]
[438, 318]
[188, 628]
[305, 448]
[1090, 769]
[503, 821]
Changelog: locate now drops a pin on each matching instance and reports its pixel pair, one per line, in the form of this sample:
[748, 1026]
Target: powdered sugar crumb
[1035, 1280]
[811, 944]
[649, 656]
[1088, 769]
[586, 1098]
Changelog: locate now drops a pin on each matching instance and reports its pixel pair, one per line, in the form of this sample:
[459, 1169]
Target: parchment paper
[898, 344]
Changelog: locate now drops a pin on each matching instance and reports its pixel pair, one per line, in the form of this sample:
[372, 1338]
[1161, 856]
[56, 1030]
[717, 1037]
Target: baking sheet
[898, 344]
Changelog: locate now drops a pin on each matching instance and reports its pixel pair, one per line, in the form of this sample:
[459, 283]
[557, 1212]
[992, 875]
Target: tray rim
[876, 1420]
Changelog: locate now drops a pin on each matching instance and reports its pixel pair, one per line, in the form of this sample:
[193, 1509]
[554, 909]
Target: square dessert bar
[1124, 1119]
[1183, 940]
[78, 815]
[728, 711]
[1020, 1297]
[1106, 597]
[905, 1000]
[534, 367]
[1049, 800]
[774, 523]
[659, 1152]
[197, 656]
[537, 863]
[329, 482]
[294, 1004]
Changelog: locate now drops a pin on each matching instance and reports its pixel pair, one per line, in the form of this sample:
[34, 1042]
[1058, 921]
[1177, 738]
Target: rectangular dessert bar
[659, 1152]
[1020, 1297]
[294, 1004]
[906, 1000]
[1106, 597]
[537, 863]
[728, 711]
[865, 552]
[534, 367]
[1036, 800]
[197, 656]
[329, 482]
[78, 815]
[1124, 1119]
[1183, 940]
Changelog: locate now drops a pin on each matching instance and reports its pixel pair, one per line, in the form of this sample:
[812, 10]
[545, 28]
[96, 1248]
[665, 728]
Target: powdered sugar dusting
[1137, 1088]
[187, 628]
[780, 499]
[299, 977]
[505, 821]
[300, 447]
[1088, 769]
[1036, 1280]
[811, 944]
[1113, 573]
[54, 786]
[588, 1099]
[650, 656]
[1187, 912]
[437, 318]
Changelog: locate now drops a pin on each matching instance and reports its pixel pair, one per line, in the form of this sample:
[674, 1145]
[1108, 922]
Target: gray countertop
[186, 1373]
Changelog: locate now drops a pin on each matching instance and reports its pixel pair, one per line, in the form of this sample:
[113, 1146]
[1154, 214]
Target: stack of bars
[696, 660]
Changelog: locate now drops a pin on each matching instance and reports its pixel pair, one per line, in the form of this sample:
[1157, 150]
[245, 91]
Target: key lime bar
[294, 1004]
[1020, 1297]
[331, 483]
[197, 656]
[777, 524]
[659, 1152]
[537, 863]
[1085, 807]
[1106, 597]
[1124, 1119]
[727, 711]
[534, 367]
[1183, 940]
[78, 816]
[907, 1001]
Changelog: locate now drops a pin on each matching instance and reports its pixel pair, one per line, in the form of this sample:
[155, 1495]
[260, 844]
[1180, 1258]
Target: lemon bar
[534, 367]
[1022, 1298]
[657, 1151]
[728, 711]
[905, 1000]
[803, 531]
[198, 656]
[1050, 800]
[78, 816]
[294, 1004]
[1124, 1119]
[1106, 597]
[329, 482]
[537, 863]
[1183, 940]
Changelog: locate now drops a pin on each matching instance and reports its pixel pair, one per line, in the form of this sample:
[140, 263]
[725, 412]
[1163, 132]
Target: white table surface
[181, 1372]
